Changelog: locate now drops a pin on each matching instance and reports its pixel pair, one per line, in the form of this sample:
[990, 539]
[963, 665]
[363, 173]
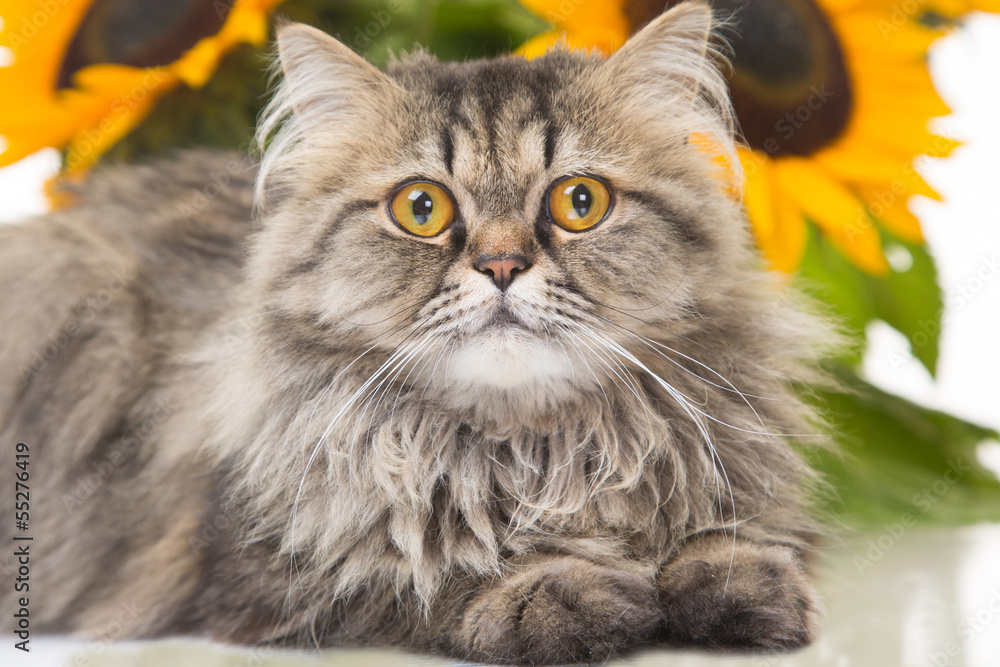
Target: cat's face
[498, 225]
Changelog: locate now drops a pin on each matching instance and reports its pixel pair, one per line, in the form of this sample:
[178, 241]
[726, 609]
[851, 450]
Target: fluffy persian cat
[494, 374]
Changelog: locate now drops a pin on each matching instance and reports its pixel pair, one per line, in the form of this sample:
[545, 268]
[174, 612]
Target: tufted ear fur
[670, 70]
[325, 91]
[677, 39]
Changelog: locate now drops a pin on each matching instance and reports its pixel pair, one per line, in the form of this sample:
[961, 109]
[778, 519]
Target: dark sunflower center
[141, 33]
[790, 87]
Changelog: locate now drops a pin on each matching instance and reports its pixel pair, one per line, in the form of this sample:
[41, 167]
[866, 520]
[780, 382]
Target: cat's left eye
[422, 208]
[578, 203]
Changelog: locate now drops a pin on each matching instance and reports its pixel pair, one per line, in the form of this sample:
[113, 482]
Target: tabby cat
[495, 374]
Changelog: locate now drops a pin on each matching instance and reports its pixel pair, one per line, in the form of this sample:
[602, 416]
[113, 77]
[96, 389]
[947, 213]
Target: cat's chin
[513, 359]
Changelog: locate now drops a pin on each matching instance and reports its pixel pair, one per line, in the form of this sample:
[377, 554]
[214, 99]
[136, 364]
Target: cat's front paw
[753, 598]
[564, 610]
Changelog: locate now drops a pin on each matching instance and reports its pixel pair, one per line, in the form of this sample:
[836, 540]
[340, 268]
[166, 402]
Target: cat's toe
[758, 600]
[561, 611]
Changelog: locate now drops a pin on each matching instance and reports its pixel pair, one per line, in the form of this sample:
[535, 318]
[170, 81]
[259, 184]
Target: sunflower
[581, 24]
[82, 73]
[833, 98]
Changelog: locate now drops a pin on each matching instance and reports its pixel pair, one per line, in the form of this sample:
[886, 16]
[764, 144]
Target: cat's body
[333, 430]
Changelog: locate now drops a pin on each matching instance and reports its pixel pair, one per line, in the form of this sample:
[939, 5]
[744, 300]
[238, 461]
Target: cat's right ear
[325, 82]
[667, 76]
[326, 93]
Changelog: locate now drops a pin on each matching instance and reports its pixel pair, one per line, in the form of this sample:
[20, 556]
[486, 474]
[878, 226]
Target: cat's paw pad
[561, 611]
[762, 601]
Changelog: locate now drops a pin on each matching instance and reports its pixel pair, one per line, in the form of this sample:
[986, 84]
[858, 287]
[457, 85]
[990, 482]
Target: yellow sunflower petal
[838, 7]
[888, 206]
[955, 8]
[723, 170]
[107, 100]
[786, 246]
[837, 212]
[861, 161]
[582, 14]
[584, 24]
[35, 38]
[906, 178]
[758, 194]
[246, 22]
[903, 139]
[539, 44]
[916, 184]
[604, 41]
[777, 222]
[939, 146]
[869, 31]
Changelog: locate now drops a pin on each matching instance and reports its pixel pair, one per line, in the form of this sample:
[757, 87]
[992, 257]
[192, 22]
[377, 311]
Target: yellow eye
[578, 203]
[422, 208]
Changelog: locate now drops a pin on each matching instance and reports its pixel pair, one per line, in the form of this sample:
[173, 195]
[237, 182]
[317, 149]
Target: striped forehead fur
[667, 75]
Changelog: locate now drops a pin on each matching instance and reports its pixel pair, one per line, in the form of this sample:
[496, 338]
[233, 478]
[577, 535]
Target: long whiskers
[694, 414]
[398, 352]
[652, 344]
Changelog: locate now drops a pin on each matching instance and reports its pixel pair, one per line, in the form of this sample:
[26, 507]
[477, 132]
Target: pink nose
[502, 269]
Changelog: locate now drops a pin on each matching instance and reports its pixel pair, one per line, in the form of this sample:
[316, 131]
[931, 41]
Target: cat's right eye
[422, 208]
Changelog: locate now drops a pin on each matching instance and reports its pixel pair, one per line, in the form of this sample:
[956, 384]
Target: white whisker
[291, 524]
[696, 417]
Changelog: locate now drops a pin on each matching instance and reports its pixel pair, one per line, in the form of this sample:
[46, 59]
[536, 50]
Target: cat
[478, 361]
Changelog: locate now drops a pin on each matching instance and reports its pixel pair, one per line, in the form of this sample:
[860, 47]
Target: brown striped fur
[312, 431]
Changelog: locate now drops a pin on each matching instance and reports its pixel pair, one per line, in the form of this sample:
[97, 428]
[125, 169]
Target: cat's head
[498, 224]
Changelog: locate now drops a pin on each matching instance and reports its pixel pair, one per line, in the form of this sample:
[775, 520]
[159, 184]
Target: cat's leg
[556, 610]
[750, 596]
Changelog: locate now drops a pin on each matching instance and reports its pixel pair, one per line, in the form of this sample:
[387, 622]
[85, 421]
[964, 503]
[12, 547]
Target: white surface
[21, 183]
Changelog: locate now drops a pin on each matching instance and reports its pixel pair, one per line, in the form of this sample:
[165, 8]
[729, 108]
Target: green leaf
[894, 457]
[908, 298]
[910, 301]
[450, 29]
[837, 284]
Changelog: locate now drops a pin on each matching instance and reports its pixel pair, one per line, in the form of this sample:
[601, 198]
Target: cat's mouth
[504, 318]
[504, 352]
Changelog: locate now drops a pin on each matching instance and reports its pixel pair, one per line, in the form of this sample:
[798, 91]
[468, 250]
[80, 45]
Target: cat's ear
[325, 82]
[326, 93]
[679, 36]
[667, 77]
[671, 65]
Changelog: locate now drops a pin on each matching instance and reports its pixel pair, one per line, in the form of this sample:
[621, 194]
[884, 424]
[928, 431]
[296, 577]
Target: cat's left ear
[670, 67]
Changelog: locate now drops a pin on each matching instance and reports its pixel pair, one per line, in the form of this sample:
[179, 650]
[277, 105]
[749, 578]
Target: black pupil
[581, 199]
[423, 206]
